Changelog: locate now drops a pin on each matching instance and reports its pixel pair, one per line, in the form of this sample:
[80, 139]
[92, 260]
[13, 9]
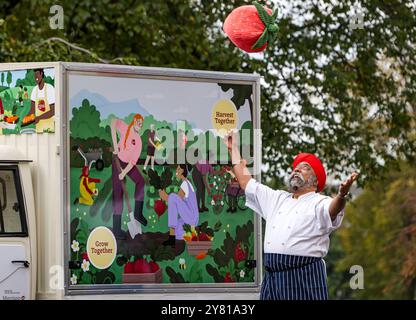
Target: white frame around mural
[160, 74]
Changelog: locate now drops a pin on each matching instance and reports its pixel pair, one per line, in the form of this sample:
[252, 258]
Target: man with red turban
[298, 225]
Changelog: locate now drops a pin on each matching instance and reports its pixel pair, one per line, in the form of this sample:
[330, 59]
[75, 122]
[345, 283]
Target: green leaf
[195, 273]
[175, 277]
[217, 226]
[264, 16]
[187, 227]
[262, 40]
[214, 273]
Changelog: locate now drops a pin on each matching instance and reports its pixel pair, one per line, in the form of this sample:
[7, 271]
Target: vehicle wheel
[99, 165]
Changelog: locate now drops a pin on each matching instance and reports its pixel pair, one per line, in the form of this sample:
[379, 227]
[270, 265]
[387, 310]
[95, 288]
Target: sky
[20, 74]
[165, 99]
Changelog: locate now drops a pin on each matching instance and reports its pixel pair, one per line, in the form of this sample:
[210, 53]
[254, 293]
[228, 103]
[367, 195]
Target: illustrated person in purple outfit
[182, 206]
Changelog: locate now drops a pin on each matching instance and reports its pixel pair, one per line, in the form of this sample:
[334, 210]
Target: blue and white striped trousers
[290, 277]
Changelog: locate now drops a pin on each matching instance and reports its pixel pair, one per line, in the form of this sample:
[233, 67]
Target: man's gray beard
[297, 182]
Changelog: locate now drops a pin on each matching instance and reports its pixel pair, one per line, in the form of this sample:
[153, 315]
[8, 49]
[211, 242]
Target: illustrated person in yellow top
[43, 103]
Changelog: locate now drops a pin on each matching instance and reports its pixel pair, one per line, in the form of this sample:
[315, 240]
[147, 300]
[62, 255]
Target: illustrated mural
[138, 219]
[27, 101]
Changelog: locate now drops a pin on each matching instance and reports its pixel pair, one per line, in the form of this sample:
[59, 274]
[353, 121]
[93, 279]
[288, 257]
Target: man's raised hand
[345, 186]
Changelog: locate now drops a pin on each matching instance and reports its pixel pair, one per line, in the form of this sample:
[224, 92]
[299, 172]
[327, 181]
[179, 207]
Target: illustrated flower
[182, 261]
[75, 246]
[212, 202]
[242, 274]
[74, 279]
[85, 266]
[214, 183]
[222, 203]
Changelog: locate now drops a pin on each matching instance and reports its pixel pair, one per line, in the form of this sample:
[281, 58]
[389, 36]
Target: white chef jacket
[293, 226]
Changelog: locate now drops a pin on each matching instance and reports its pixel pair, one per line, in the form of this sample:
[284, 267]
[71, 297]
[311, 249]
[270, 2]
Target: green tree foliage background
[322, 79]
[346, 94]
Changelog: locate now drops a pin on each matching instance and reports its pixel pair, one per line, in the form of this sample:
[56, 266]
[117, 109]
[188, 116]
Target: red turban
[316, 165]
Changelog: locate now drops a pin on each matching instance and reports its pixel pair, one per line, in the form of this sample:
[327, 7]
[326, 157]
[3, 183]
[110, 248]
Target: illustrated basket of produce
[199, 239]
[142, 271]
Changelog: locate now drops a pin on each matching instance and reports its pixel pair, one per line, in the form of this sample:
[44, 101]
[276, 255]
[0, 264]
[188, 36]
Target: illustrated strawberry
[153, 266]
[228, 278]
[239, 254]
[129, 267]
[85, 256]
[142, 266]
[251, 27]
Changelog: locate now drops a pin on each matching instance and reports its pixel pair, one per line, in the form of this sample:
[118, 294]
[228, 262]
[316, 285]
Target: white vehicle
[65, 207]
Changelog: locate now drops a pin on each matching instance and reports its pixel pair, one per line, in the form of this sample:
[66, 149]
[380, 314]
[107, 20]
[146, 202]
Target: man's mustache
[296, 175]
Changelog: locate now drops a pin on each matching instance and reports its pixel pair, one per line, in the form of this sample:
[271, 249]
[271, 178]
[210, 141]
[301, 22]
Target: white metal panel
[45, 174]
[14, 278]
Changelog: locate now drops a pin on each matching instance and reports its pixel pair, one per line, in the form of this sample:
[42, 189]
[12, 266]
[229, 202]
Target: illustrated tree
[85, 122]
[9, 78]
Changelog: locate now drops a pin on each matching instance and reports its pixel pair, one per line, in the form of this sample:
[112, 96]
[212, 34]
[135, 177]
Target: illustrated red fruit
[129, 267]
[244, 27]
[153, 266]
[239, 254]
[194, 238]
[203, 237]
[142, 266]
[160, 207]
[228, 278]
[85, 256]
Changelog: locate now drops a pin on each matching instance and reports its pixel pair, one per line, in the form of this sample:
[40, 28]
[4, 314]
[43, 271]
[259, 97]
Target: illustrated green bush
[80, 232]
[194, 275]
[231, 258]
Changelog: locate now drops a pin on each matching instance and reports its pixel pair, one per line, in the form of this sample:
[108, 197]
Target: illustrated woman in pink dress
[182, 206]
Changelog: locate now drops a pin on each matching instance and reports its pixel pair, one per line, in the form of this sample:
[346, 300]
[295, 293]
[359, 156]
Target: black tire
[99, 165]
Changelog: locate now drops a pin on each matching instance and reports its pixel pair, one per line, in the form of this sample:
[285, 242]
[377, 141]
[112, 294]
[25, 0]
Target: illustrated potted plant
[199, 239]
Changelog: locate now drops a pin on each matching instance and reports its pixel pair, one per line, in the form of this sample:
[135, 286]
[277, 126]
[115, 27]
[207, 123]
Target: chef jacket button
[283, 243]
[280, 212]
[268, 242]
[288, 227]
[274, 227]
